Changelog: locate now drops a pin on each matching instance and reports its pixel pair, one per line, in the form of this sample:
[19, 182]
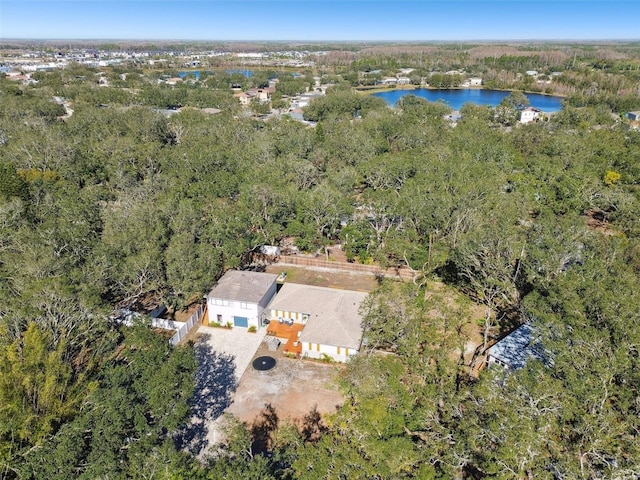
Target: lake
[456, 98]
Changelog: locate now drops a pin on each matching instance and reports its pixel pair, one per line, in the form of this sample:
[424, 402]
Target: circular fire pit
[264, 363]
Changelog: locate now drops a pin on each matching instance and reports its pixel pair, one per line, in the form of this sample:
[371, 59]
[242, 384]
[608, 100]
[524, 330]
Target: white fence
[127, 317]
[166, 324]
[187, 326]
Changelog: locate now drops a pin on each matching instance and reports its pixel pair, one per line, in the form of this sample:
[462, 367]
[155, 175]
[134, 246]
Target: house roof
[517, 347]
[243, 286]
[334, 317]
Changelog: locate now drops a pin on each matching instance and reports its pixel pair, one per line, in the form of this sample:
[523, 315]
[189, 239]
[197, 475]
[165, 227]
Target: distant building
[530, 115]
[633, 116]
[243, 98]
[475, 81]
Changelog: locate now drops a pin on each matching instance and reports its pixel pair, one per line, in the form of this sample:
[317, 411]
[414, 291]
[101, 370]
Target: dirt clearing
[293, 387]
[349, 281]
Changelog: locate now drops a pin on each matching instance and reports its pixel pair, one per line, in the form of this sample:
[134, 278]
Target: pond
[458, 97]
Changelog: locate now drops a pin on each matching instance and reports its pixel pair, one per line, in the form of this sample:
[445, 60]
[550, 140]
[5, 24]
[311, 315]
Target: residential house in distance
[633, 116]
[240, 298]
[475, 82]
[243, 98]
[530, 115]
[514, 350]
[319, 322]
[261, 94]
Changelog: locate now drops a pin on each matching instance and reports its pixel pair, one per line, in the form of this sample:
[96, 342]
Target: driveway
[234, 342]
[223, 356]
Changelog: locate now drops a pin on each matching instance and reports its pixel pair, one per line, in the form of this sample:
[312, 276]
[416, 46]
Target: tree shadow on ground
[215, 384]
[262, 428]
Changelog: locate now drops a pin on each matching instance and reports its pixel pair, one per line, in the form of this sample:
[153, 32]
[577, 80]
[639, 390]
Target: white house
[475, 81]
[243, 98]
[332, 325]
[240, 298]
[530, 115]
[633, 116]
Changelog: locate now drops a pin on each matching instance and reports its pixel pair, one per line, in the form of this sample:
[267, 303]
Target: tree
[140, 398]
[12, 184]
[508, 111]
[259, 107]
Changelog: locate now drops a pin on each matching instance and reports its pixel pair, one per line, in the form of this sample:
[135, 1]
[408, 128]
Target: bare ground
[351, 281]
[294, 387]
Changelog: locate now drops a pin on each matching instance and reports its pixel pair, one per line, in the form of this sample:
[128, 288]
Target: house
[240, 298]
[475, 81]
[404, 80]
[243, 98]
[262, 94]
[513, 350]
[634, 116]
[530, 115]
[326, 321]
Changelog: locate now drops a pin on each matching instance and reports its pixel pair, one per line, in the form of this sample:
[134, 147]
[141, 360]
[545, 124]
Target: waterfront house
[530, 115]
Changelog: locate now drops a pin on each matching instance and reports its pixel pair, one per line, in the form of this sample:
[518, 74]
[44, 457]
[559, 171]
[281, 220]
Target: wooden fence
[304, 261]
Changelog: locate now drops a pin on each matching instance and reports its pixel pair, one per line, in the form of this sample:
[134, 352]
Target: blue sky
[320, 20]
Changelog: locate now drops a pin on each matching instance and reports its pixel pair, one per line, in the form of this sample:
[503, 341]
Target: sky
[324, 20]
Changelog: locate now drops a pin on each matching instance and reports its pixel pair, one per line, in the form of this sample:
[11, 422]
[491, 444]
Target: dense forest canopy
[118, 202]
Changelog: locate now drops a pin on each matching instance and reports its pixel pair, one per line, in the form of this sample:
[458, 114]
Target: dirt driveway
[293, 387]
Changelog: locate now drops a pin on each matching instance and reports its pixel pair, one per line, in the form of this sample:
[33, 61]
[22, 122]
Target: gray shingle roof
[244, 286]
[333, 314]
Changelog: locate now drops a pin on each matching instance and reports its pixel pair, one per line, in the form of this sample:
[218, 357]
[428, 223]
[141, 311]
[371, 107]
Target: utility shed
[513, 350]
